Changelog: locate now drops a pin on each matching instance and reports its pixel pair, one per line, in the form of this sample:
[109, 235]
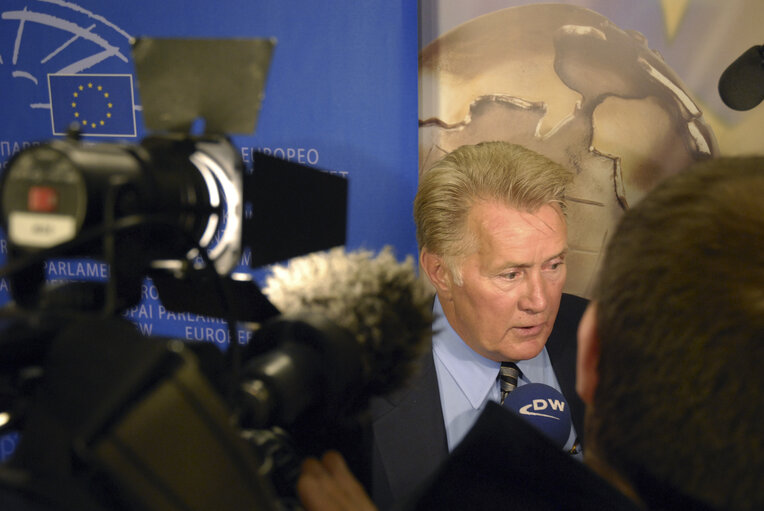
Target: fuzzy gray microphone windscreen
[381, 301]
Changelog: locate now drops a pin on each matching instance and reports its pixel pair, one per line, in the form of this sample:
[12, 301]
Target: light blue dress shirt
[467, 381]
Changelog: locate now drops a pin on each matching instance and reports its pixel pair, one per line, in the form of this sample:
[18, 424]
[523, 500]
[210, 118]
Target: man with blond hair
[492, 237]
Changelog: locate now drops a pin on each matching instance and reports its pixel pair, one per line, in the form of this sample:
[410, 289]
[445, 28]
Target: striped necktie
[508, 378]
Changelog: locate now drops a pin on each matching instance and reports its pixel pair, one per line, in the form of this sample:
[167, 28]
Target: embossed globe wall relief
[567, 83]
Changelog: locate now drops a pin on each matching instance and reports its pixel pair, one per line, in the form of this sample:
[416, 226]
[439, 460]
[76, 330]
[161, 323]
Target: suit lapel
[409, 435]
[562, 347]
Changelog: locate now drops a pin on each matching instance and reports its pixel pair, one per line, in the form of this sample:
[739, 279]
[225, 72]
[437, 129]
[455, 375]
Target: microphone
[544, 408]
[741, 85]
[353, 325]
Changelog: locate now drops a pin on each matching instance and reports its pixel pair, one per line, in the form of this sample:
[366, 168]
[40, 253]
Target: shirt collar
[473, 373]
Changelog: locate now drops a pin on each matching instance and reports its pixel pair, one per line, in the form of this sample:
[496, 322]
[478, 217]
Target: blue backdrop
[341, 96]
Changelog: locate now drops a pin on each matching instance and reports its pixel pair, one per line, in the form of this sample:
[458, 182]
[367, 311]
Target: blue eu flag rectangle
[101, 104]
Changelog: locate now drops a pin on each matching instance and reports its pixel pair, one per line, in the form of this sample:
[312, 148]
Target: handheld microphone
[544, 408]
[741, 85]
[352, 326]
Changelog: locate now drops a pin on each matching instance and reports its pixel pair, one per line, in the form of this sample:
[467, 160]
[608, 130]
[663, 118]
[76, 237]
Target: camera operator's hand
[328, 485]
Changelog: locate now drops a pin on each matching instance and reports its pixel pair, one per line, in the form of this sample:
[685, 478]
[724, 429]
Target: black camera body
[110, 419]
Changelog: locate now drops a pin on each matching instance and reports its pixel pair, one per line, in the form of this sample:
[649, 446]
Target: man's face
[506, 307]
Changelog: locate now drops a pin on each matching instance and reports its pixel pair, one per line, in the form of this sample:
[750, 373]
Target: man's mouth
[529, 331]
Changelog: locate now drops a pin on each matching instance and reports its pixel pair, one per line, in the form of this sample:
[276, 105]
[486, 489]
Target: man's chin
[525, 348]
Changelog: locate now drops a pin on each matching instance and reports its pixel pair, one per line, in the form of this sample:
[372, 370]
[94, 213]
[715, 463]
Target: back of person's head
[488, 171]
[680, 317]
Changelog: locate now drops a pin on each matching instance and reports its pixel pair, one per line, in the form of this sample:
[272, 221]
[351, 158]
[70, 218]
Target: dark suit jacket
[540, 477]
[408, 431]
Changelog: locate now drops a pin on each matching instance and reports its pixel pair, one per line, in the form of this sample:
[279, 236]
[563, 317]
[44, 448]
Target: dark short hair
[681, 322]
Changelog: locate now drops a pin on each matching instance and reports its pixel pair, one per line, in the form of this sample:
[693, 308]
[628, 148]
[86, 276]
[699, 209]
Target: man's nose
[534, 295]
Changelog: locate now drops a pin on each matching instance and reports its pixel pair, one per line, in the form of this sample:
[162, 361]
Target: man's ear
[587, 373]
[437, 271]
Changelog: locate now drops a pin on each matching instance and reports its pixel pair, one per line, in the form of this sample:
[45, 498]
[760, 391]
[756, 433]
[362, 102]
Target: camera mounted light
[159, 204]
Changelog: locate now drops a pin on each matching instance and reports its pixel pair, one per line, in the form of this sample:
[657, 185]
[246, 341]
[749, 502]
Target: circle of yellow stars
[100, 91]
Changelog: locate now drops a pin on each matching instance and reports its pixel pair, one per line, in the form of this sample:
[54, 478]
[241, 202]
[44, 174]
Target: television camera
[111, 419]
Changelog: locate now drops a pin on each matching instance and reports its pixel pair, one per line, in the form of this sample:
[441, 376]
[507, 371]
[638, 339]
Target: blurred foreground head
[680, 320]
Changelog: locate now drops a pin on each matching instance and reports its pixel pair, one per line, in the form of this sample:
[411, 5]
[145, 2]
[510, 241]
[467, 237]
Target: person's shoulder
[569, 315]
[421, 384]
[572, 305]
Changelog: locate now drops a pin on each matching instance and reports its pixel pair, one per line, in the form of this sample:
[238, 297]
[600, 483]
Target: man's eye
[512, 275]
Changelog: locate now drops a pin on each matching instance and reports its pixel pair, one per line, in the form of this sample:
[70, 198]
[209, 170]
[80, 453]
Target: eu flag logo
[101, 104]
